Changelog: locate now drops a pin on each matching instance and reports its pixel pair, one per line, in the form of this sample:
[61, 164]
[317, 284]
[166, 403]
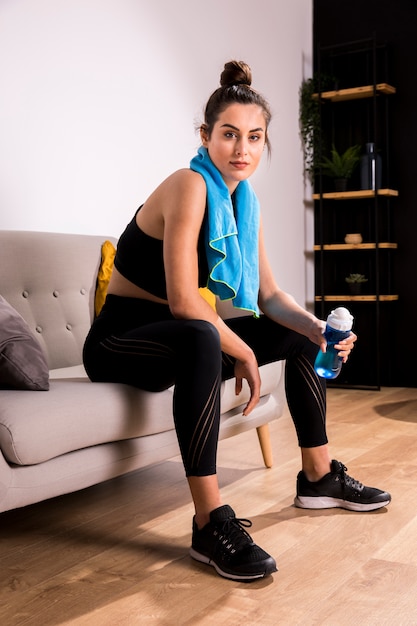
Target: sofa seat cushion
[76, 413]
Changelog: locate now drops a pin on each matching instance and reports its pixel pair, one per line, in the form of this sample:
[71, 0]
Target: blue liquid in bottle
[328, 364]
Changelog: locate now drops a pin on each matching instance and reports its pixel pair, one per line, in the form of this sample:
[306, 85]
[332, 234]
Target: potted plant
[355, 282]
[309, 121]
[341, 166]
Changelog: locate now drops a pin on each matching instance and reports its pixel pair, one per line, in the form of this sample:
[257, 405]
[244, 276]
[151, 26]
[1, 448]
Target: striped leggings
[139, 343]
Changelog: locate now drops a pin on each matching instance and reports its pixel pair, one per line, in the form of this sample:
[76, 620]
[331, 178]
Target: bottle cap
[340, 319]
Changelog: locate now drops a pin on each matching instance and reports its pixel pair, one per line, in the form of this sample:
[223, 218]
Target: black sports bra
[139, 258]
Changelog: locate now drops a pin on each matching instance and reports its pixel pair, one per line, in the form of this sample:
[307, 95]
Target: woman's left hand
[346, 346]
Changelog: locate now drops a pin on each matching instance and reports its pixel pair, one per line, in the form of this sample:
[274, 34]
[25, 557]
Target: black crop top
[139, 258]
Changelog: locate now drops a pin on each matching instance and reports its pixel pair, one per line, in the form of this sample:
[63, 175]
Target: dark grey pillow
[22, 361]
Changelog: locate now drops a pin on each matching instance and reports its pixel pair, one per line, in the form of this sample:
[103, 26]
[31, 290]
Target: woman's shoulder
[183, 191]
[182, 188]
[186, 177]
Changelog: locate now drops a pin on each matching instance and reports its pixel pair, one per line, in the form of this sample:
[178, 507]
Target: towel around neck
[231, 237]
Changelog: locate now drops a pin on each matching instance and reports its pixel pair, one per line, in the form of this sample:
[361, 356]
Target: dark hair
[235, 86]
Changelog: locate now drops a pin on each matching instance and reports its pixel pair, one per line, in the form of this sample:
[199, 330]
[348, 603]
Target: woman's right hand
[249, 371]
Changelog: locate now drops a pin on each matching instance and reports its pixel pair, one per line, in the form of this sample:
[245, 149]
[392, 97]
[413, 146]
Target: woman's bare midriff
[120, 286]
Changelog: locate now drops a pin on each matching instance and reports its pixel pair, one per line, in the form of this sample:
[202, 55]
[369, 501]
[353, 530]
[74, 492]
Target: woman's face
[237, 142]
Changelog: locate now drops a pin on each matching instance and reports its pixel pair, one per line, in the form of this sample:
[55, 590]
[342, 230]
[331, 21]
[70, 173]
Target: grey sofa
[80, 433]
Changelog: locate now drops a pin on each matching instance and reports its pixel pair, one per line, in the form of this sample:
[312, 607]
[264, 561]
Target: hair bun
[236, 73]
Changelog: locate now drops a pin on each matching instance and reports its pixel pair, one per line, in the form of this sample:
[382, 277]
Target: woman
[201, 227]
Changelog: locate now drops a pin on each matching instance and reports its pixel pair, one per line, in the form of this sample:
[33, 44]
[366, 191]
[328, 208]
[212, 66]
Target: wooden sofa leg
[265, 441]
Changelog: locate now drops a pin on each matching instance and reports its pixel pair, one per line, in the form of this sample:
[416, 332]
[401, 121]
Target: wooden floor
[117, 554]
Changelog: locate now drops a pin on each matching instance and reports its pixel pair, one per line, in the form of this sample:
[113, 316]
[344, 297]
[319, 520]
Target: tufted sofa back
[50, 279]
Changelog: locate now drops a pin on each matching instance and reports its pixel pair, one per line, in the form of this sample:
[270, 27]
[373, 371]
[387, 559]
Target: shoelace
[232, 533]
[348, 480]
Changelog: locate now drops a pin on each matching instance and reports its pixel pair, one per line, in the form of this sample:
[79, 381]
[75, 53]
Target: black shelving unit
[357, 111]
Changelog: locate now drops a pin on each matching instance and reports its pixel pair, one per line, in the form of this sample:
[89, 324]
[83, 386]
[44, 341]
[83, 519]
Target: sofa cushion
[77, 413]
[108, 252]
[22, 362]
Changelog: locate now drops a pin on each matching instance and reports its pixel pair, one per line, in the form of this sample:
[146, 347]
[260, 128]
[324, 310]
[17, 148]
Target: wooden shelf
[359, 298]
[356, 246]
[355, 195]
[356, 93]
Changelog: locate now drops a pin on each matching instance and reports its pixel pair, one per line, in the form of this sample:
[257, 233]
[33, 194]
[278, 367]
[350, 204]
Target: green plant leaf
[356, 278]
[341, 165]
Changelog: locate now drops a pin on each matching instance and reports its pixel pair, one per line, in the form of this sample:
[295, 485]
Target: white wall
[100, 99]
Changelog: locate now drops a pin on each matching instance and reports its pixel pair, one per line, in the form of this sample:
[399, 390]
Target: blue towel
[231, 243]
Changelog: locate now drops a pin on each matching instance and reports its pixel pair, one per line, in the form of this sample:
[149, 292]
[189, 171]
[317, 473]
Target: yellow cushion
[108, 252]
[208, 296]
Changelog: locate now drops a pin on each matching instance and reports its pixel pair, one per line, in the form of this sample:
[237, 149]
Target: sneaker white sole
[205, 559]
[325, 502]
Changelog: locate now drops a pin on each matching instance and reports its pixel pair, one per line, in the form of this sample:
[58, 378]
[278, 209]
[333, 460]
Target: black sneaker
[337, 489]
[225, 544]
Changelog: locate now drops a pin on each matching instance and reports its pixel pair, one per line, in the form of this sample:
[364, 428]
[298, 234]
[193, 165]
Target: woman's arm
[183, 215]
[282, 308]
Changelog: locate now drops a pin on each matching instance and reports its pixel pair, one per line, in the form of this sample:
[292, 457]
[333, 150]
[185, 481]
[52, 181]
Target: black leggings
[139, 343]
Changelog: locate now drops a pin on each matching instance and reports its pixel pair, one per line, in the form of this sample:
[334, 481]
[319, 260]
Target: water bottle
[339, 324]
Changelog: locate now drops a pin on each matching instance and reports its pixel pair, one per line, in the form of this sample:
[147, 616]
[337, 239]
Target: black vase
[371, 169]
